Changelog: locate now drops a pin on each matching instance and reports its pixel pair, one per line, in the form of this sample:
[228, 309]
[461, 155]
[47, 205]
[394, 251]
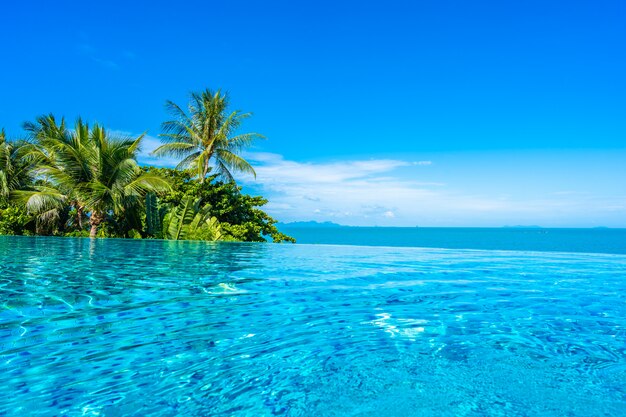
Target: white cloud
[88, 50]
[391, 192]
[356, 192]
[149, 144]
[291, 172]
[395, 192]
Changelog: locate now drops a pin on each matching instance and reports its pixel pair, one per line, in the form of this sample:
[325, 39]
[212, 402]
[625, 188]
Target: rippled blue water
[153, 328]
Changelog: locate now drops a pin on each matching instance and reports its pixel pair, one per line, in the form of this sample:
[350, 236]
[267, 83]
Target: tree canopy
[86, 181]
[206, 137]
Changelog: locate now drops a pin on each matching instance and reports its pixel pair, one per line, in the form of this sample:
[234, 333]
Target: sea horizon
[313, 224]
[576, 240]
[326, 209]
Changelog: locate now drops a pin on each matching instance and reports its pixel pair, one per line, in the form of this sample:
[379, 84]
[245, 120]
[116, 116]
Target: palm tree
[46, 127]
[16, 167]
[65, 159]
[207, 135]
[91, 169]
[19, 178]
[117, 182]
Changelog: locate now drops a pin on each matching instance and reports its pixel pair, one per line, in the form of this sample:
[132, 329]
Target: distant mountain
[310, 224]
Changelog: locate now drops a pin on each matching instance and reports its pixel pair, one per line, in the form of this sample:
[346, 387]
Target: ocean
[598, 240]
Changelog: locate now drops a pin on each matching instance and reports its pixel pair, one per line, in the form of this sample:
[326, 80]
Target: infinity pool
[154, 328]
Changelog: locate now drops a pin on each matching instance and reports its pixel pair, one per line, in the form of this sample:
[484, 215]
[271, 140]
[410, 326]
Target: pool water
[156, 328]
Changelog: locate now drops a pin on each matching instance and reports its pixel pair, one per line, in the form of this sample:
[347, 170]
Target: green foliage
[239, 214]
[86, 181]
[154, 216]
[14, 220]
[205, 135]
[190, 221]
[77, 233]
[17, 168]
[90, 170]
[134, 234]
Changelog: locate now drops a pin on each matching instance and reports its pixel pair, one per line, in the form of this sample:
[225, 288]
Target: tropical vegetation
[206, 136]
[86, 180]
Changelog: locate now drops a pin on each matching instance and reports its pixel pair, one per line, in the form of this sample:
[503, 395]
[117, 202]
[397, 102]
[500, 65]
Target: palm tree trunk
[205, 171]
[95, 220]
[94, 230]
[79, 215]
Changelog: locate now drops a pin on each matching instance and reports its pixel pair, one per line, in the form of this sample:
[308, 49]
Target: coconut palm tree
[45, 128]
[206, 136]
[19, 178]
[117, 182]
[94, 171]
[16, 167]
[64, 157]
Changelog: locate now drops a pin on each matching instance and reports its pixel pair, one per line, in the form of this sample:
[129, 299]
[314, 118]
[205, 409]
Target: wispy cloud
[351, 192]
[107, 63]
[149, 144]
[392, 192]
[89, 51]
[292, 172]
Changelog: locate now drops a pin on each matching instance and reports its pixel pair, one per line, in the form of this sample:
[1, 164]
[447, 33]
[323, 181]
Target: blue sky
[440, 113]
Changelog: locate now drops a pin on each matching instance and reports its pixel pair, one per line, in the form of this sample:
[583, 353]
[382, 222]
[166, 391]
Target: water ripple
[112, 328]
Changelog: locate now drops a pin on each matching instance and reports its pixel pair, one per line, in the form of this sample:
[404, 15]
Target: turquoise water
[154, 328]
[559, 240]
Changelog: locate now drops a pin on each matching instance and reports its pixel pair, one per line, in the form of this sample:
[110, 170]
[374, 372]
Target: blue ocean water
[525, 239]
[158, 328]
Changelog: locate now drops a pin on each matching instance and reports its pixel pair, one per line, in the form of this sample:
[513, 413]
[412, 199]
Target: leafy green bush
[239, 215]
[14, 220]
[190, 221]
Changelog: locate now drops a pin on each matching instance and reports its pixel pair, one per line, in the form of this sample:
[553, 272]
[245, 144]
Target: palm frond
[234, 162]
[244, 140]
[178, 149]
[206, 132]
[148, 183]
[40, 200]
[189, 160]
